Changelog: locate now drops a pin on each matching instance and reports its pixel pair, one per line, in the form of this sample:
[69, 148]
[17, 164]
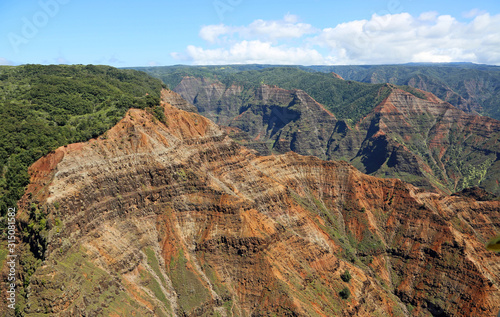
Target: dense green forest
[44, 107]
[348, 100]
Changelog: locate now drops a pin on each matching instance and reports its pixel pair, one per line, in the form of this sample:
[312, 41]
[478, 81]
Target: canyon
[411, 135]
[174, 217]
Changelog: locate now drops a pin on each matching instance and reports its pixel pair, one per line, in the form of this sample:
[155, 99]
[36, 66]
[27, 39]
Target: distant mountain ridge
[467, 86]
[470, 87]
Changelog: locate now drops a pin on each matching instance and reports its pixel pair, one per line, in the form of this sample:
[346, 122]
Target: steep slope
[413, 136]
[267, 118]
[348, 100]
[469, 87]
[408, 136]
[172, 218]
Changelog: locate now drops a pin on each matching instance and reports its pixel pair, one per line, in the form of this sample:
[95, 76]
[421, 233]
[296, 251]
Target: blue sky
[141, 33]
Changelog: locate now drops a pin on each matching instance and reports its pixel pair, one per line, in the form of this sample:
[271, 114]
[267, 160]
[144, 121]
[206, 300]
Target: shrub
[346, 276]
[345, 293]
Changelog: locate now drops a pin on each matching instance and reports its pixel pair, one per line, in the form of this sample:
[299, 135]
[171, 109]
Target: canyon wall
[176, 218]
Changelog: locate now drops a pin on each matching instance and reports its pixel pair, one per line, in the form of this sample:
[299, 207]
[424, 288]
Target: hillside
[44, 107]
[470, 87]
[412, 136]
[161, 218]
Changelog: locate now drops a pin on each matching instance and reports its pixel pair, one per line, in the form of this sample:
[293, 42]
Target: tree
[346, 276]
[345, 293]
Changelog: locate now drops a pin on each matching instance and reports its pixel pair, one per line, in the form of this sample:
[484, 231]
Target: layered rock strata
[155, 219]
[421, 140]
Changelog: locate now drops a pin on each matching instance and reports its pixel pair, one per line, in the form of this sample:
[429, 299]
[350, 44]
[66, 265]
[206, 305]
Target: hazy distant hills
[467, 86]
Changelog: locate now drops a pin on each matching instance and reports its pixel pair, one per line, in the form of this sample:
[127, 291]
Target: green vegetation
[456, 83]
[494, 244]
[154, 264]
[346, 276]
[159, 114]
[345, 293]
[192, 293]
[473, 175]
[75, 274]
[35, 233]
[150, 282]
[44, 107]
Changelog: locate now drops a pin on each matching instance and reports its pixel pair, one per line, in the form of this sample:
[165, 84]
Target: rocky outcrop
[434, 141]
[337, 76]
[269, 119]
[415, 137]
[157, 219]
[177, 101]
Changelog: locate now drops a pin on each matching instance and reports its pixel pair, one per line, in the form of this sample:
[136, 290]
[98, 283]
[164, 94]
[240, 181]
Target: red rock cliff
[156, 219]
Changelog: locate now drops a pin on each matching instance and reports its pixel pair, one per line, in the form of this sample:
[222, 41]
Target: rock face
[177, 101]
[156, 219]
[433, 139]
[469, 87]
[422, 140]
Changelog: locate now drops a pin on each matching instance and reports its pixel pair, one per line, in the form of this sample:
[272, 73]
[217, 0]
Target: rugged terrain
[175, 218]
[473, 88]
[469, 87]
[412, 136]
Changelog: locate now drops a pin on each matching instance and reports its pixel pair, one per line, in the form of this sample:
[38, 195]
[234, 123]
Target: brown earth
[156, 219]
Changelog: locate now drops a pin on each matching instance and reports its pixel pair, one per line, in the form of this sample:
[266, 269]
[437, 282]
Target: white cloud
[273, 30]
[401, 38]
[211, 33]
[390, 38]
[473, 13]
[287, 28]
[428, 16]
[5, 62]
[254, 52]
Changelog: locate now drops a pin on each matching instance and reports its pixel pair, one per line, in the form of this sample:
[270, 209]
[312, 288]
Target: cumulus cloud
[211, 33]
[400, 38]
[390, 38]
[254, 52]
[289, 27]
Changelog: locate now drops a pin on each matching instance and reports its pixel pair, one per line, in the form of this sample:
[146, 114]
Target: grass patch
[155, 264]
[151, 283]
[192, 293]
[3, 253]
[95, 289]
